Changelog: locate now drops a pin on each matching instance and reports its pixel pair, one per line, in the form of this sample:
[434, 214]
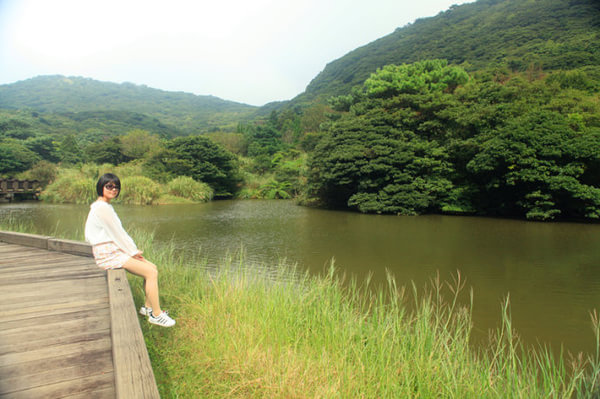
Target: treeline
[256, 161]
[428, 137]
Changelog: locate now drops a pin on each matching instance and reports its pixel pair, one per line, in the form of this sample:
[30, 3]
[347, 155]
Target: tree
[387, 154]
[69, 151]
[536, 166]
[421, 77]
[107, 151]
[137, 143]
[204, 161]
[15, 156]
[44, 146]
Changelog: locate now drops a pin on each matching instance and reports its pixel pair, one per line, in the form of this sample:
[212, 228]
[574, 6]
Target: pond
[550, 270]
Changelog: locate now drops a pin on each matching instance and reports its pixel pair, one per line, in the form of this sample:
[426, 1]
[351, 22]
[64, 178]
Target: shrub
[43, 171]
[138, 190]
[71, 188]
[186, 187]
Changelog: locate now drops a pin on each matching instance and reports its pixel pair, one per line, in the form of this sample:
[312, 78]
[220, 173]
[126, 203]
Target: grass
[255, 332]
[249, 332]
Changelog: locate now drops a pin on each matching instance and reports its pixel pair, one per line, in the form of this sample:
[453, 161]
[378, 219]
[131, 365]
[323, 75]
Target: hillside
[518, 34]
[81, 98]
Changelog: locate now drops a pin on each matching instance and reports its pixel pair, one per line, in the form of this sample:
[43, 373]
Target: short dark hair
[104, 180]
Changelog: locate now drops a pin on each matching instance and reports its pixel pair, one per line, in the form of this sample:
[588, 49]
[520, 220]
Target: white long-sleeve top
[103, 225]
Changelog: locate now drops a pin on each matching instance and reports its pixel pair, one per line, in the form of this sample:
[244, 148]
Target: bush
[186, 187]
[138, 190]
[43, 171]
[71, 188]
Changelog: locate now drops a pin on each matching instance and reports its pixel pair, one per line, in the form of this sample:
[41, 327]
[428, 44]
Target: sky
[248, 51]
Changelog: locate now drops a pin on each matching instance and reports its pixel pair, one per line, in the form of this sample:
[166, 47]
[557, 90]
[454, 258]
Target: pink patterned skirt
[109, 256]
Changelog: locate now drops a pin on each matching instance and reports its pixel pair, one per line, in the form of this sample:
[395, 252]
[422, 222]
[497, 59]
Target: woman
[113, 248]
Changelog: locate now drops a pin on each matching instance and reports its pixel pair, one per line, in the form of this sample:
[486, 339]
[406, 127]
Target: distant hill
[83, 98]
[548, 34]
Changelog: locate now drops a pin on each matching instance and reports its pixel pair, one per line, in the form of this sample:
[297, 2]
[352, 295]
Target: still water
[550, 270]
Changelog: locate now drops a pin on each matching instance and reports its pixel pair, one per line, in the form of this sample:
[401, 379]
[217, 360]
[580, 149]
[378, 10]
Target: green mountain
[515, 34]
[82, 99]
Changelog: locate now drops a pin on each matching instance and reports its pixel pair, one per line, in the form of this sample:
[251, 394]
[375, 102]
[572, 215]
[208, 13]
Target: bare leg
[147, 303]
[149, 272]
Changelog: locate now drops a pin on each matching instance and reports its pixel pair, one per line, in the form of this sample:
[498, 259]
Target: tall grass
[243, 334]
[72, 187]
[139, 190]
[186, 187]
[77, 185]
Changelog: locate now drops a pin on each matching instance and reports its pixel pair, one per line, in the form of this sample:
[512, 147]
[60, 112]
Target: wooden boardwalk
[68, 329]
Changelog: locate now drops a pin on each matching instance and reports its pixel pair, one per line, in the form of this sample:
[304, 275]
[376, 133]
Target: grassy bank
[247, 332]
[243, 334]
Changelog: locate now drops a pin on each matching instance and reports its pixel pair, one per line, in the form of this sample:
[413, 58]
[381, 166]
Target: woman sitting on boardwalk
[113, 248]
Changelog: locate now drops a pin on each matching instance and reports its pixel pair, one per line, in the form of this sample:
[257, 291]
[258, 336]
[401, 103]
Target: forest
[501, 118]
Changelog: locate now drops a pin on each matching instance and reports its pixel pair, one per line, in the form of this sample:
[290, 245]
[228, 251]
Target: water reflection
[550, 269]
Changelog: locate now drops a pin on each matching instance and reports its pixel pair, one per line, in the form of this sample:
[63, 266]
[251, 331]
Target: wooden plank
[52, 332]
[14, 256]
[52, 267]
[44, 289]
[20, 347]
[61, 303]
[51, 371]
[106, 393]
[40, 365]
[38, 286]
[95, 383]
[29, 240]
[134, 377]
[71, 247]
[67, 275]
[99, 341]
[30, 256]
[97, 394]
[9, 248]
[47, 318]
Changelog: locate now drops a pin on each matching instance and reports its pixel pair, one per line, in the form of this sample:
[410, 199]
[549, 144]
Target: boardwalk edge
[134, 377]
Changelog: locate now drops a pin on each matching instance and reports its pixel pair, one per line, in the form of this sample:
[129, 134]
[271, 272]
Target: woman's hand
[139, 255]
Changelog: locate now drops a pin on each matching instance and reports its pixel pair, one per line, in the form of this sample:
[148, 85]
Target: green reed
[245, 331]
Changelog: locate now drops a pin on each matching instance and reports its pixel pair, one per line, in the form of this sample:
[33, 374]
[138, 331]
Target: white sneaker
[162, 319]
[145, 311]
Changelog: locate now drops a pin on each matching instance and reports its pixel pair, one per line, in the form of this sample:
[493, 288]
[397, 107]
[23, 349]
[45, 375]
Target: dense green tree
[425, 138]
[137, 143]
[15, 157]
[107, 151]
[69, 150]
[535, 166]
[263, 141]
[203, 160]
[44, 146]
[386, 155]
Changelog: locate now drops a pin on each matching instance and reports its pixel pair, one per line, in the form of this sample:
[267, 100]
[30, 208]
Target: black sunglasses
[111, 186]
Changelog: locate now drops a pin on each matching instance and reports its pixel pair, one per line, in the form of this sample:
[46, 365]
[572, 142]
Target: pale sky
[249, 51]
